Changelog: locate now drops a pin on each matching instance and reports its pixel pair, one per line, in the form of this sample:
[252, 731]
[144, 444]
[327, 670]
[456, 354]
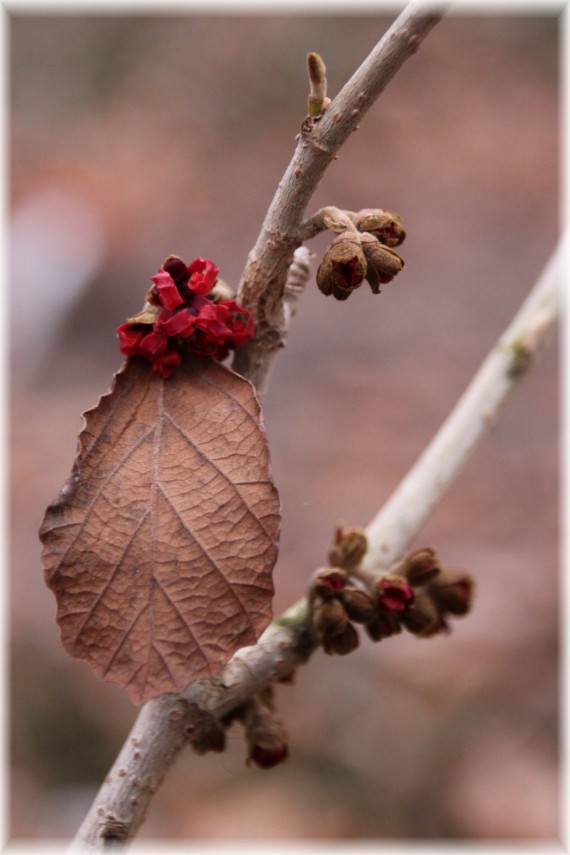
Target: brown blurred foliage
[136, 136]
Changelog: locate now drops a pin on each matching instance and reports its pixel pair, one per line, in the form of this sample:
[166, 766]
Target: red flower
[241, 322]
[176, 284]
[165, 292]
[203, 275]
[211, 320]
[394, 595]
[188, 321]
[154, 342]
[164, 363]
[130, 336]
[181, 323]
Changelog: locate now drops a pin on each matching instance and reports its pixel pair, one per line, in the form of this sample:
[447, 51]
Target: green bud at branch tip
[318, 101]
[317, 69]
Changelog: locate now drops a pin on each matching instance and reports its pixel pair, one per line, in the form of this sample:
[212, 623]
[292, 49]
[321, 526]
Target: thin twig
[167, 723]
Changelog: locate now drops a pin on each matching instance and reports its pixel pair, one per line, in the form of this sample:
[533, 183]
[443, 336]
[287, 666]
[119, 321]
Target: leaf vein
[101, 428]
[220, 471]
[126, 634]
[111, 578]
[232, 398]
[99, 492]
[208, 557]
[182, 617]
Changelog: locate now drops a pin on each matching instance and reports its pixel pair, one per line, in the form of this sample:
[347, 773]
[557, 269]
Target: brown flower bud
[394, 594]
[349, 547]
[266, 740]
[330, 582]
[343, 643]
[329, 618]
[359, 605]
[383, 263]
[343, 267]
[384, 225]
[382, 626]
[452, 591]
[424, 618]
[420, 566]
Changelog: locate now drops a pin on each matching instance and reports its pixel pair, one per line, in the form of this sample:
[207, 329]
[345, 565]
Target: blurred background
[136, 136]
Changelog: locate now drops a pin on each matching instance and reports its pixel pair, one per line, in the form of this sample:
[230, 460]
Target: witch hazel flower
[182, 316]
[394, 595]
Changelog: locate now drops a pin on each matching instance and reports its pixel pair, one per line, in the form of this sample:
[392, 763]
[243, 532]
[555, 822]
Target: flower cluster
[417, 594]
[362, 252]
[183, 315]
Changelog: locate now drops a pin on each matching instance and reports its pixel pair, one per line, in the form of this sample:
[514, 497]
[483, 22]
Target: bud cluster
[362, 251]
[417, 594]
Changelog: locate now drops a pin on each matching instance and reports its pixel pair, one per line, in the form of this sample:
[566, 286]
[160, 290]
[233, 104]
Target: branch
[475, 413]
[166, 724]
[263, 280]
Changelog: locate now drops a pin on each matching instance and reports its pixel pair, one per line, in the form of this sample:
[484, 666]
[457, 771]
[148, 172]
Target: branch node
[114, 830]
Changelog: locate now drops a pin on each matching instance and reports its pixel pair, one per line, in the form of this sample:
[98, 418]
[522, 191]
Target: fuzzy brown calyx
[349, 547]
[359, 604]
[329, 618]
[452, 591]
[329, 582]
[383, 263]
[382, 626]
[343, 267]
[424, 618]
[386, 226]
[343, 643]
[148, 315]
[420, 566]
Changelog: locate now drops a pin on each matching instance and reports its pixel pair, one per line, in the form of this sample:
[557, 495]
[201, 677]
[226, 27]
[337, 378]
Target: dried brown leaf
[159, 548]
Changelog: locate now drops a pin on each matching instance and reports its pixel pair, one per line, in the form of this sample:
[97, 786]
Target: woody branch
[166, 724]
